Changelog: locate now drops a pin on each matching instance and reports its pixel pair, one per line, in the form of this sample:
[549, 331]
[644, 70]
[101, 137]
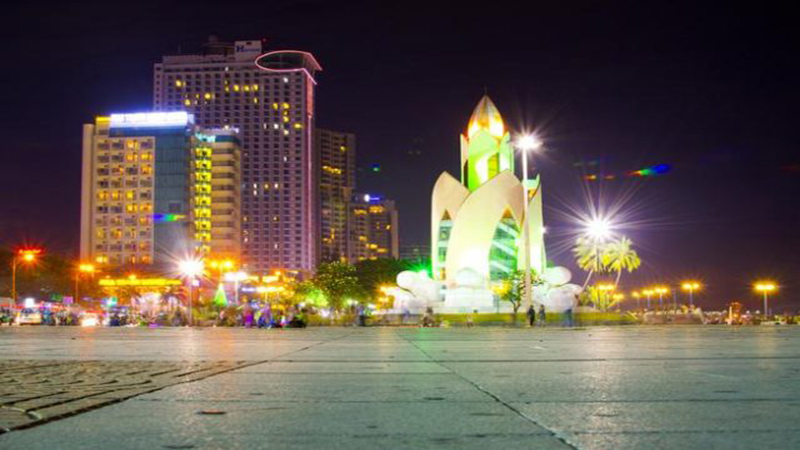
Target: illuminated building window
[131, 208]
[130, 195]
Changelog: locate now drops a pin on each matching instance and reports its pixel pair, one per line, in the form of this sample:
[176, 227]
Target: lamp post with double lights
[691, 286]
[527, 143]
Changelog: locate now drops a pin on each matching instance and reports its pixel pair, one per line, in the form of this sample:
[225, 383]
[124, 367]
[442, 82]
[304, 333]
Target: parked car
[29, 316]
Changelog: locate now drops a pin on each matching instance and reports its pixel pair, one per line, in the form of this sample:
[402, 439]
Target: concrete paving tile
[636, 380]
[371, 422]
[266, 387]
[251, 440]
[707, 440]
[356, 367]
[675, 416]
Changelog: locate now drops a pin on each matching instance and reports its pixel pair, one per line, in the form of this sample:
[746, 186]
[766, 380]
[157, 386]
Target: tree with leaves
[512, 289]
[619, 255]
[589, 255]
[338, 282]
[374, 273]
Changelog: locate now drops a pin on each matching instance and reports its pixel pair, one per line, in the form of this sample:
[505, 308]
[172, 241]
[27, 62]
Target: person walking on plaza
[531, 313]
[542, 316]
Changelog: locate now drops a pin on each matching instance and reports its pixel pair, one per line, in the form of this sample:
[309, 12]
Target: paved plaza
[351, 388]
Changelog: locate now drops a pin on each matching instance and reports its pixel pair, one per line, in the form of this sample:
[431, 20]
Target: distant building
[269, 97]
[373, 228]
[418, 253]
[150, 184]
[337, 179]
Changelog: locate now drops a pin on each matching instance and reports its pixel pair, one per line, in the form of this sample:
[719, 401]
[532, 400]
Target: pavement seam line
[497, 399]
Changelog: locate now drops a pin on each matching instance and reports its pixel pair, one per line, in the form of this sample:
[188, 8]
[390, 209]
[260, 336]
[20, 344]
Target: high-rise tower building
[337, 179]
[269, 97]
[150, 185]
[373, 228]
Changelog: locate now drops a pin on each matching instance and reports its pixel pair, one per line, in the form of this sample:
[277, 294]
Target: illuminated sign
[147, 282]
[151, 119]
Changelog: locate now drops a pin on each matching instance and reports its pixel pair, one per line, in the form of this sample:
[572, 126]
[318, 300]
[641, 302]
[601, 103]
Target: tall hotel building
[337, 179]
[373, 228]
[156, 188]
[269, 97]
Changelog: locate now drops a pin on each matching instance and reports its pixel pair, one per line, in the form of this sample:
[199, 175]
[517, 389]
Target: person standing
[531, 313]
[542, 316]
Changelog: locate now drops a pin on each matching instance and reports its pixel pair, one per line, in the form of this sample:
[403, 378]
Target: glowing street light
[27, 256]
[765, 287]
[599, 229]
[83, 268]
[222, 265]
[691, 286]
[637, 296]
[527, 143]
[191, 268]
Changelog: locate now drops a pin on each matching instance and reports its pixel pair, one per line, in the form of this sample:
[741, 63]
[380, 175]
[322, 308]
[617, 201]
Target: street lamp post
[82, 268]
[661, 291]
[691, 286]
[527, 143]
[637, 296]
[27, 256]
[765, 287]
[191, 268]
[648, 293]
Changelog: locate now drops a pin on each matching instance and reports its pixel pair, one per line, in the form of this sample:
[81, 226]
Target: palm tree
[589, 255]
[619, 255]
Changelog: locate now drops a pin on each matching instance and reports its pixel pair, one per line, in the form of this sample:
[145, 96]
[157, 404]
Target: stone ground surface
[329, 388]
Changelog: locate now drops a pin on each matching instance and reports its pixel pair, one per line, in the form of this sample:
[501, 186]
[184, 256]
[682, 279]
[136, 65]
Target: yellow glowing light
[690, 286]
[148, 282]
[30, 255]
[765, 286]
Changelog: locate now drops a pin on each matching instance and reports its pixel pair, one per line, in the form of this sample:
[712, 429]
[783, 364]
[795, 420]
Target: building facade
[337, 179]
[269, 97]
[225, 237]
[147, 184]
[373, 229]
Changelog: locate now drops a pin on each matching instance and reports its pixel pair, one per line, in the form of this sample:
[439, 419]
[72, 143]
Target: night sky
[610, 86]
